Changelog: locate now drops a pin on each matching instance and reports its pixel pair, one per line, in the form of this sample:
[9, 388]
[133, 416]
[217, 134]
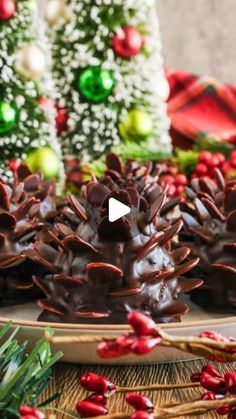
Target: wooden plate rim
[113, 328]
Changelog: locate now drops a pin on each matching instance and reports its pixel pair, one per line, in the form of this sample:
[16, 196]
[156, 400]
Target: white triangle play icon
[117, 210]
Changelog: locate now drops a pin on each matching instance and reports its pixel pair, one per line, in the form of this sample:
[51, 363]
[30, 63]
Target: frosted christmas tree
[24, 85]
[110, 83]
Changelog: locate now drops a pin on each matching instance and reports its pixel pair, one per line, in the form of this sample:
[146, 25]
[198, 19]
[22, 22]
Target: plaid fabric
[200, 106]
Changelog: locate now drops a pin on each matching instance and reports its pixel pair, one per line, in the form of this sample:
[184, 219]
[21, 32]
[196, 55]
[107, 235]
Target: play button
[117, 210]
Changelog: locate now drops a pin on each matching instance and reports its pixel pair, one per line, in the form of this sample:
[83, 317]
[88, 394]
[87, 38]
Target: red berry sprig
[27, 412]
[207, 163]
[176, 183]
[214, 382]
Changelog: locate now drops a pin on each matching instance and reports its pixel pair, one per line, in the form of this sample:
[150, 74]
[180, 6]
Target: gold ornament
[31, 62]
[55, 11]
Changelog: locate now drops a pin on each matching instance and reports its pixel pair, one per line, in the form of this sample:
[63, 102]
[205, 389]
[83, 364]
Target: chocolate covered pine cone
[25, 206]
[100, 270]
[210, 229]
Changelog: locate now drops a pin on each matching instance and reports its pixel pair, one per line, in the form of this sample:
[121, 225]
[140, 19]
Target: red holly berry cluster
[95, 404]
[102, 388]
[143, 340]
[207, 163]
[176, 184]
[27, 412]
[218, 385]
[219, 338]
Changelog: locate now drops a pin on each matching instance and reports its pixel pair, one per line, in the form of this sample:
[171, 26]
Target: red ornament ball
[7, 9]
[61, 120]
[128, 42]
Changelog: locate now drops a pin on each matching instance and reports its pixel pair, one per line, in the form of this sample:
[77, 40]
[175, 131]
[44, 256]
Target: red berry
[139, 402]
[205, 157]
[96, 383]
[230, 381]
[167, 179]
[88, 409]
[180, 180]
[221, 158]
[215, 336]
[97, 399]
[140, 414]
[224, 410]
[195, 377]
[179, 190]
[233, 162]
[209, 369]
[201, 169]
[226, 167]
[214, 384]
[233, 154]
[171, 190]
[30, 412]
[141, 324]
[117, 348]
[215, 161]
[145, 345]
[208, 396]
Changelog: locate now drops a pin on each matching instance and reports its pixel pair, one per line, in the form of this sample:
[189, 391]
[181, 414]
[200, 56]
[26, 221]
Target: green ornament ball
[95, 84]
[137, 126]
[44, 160]
[8, 116]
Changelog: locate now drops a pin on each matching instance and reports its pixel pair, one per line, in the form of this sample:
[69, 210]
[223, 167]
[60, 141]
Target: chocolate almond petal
[171, 232]
[63, 229]
[4, 198]
[23, 210]
[114, 162]
[12, 261]
[91, 314]
[68, 280]
[2, 239]
[78, 208]
[22, 172]
[185, 267]
[189, 284]
[32, 183]
[134, 196]
[220, 179]
[77, 245]
[179, 255]
[213, 210]
[97, 194]
[224, 267]
[230, 199]
[112, 174]
[189, 220]
[231, 222]
[99, 271]
[156, 206]
[7, 221]
[50, 308]
[176, 310]
[125, 292]
[208, 186]
[149, 245]
[201, 210]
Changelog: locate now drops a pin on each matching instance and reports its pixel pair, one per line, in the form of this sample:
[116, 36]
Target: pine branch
[23, 376]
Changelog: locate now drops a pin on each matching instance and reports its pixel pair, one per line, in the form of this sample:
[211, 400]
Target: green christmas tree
[25, 84]
[108, 71]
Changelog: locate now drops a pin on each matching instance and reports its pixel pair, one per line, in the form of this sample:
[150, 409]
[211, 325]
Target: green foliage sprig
[23, 376]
